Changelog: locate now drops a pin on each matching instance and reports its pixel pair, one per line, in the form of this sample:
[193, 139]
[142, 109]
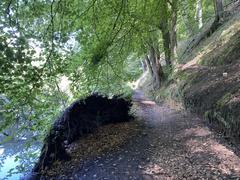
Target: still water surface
[11, 151]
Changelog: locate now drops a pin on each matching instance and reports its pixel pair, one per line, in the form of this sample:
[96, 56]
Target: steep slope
[208, 80]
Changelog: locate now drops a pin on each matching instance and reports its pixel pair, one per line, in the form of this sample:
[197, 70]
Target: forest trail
[172, 145]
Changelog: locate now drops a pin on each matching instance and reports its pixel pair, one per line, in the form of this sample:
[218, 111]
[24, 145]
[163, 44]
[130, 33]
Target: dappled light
[227, 163]
[119, 89]
[199, 142]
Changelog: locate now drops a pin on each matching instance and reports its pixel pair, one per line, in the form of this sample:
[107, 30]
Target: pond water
[14, 157]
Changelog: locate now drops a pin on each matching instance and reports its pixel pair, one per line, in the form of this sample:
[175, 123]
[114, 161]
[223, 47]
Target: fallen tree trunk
[80, 118]
[204, 34]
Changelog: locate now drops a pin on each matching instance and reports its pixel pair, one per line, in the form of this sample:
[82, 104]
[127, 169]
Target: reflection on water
[14, 157]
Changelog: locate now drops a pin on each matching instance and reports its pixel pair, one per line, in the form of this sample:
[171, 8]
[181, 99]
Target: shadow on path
[171, 145]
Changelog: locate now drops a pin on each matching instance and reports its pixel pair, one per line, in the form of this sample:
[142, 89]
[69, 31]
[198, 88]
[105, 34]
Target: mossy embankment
[207, 81]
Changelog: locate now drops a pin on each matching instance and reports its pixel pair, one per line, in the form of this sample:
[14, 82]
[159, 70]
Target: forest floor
[171, 145]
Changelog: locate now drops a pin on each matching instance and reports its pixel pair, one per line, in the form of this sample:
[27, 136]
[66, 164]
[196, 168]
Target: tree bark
[164, 27]
[219, 17]
[199, 13]
[159, 66]
[149, 66]
[185, 13]
[174, 31]
[156, 78]
[166, 43]
[144, 65]
[219, 11]
[156, 68]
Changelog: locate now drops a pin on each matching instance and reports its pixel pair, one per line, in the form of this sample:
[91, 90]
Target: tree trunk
[149, 66]
[219, 17]
[156, 68]
[164, 27]
[166, 44]
[185, 13]
[159, 66]
[174, 31]
[156, 79]
[199, 13]
[144, 65]
[219, 11]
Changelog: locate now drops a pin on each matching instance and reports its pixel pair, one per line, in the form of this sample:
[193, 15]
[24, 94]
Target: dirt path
[172, 145]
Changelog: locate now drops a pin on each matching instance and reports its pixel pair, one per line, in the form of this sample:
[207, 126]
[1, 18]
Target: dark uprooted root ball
[80, 118]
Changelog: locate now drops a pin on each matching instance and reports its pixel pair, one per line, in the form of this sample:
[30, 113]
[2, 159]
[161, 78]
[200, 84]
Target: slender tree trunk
[156, 78]
[144, 65]
[199, 13]
[159, 66]
[219, 11]
[219, 17]
[154, 67]
[164, 27]
[186, 18]
[149, 66]
[174, 31]
[166, 45]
